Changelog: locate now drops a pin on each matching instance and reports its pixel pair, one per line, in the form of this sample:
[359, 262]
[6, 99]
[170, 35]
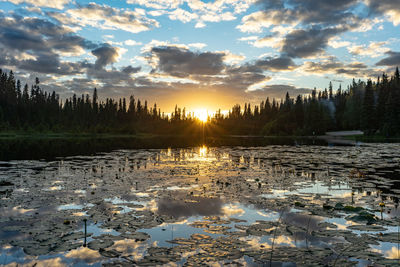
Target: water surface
[281, 204]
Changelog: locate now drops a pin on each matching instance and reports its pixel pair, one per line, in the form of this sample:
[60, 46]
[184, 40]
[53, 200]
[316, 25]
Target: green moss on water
[364, 216]
[353, 209]
[339, 206]
[299, 204]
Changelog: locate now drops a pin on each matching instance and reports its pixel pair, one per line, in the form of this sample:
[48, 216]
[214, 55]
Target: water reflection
[305, 221]
[225, 201]
[187, 207]
[84, 254]
[389, 250]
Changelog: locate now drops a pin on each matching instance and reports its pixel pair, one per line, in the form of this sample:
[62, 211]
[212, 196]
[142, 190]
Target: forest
[371, 106]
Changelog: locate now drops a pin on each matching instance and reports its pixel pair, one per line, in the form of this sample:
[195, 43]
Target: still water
[278, 205]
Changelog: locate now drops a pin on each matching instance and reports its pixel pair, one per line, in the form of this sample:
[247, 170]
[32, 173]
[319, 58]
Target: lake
[263, 203]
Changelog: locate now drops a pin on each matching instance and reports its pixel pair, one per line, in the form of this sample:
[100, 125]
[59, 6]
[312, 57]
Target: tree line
[372, 106]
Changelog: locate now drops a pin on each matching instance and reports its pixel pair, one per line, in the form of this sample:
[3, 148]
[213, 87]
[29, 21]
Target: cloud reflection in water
[190, 207]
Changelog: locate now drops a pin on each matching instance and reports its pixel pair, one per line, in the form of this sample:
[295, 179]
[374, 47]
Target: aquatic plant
[85, 221]
[382, 205]
[341, 253]
[273, 239]
[308, 226]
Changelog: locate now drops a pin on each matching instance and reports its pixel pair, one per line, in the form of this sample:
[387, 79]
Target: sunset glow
[201, 114]
[166, 52]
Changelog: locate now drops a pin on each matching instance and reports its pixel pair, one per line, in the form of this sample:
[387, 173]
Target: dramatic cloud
[276, 64]
[306, 43]
[106, 17]
[58, 4]
[50, 64]
[279, 91]
[333, 66]
[39, 35]
[198, 11]
[322, 11]
[105, 55]
[36, 45]
[374, 49]
[181, 62]
[392, 59]
[391, 8]
[209, 69]
[162, 50]
[42, 62]
[336, 42]
[256, 21]
[157, 4]
[130, 69]
[295, 12]
[274, 41]
[302, 28]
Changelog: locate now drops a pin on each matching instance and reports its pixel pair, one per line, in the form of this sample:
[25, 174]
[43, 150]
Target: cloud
[132, 42]
[374, 49]
[115, 77]
[84, 254]
[58, 4]
[42, 62]
[294, 29]
[333, 66]
[255, 22]
[106, 17]
[335, 42]
[157, 4]
[231, 58]
[181, 62]
[392, 59]
[39, 47]
[305, 43]
[273, 40]
[197, 45]
[50, 64]
[248, 38]
[279, 91]
[36, 45]
[298, 12]
[196, 10]
[276, 64]
[326, 12]
[39, 35]
[182, 15]
[390, 8]
[303, 28]
[105, 55]
[130, 69]
[20, 40]
[181, 74]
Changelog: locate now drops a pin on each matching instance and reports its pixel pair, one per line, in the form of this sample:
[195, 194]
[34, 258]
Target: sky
[198, 54]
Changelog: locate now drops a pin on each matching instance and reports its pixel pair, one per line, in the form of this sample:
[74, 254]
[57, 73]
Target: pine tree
[368, 108]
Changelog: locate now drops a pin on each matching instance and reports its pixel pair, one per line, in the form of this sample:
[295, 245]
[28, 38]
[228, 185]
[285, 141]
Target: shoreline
[331, 137]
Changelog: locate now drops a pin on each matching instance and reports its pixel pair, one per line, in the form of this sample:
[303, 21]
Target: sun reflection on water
[203, 151]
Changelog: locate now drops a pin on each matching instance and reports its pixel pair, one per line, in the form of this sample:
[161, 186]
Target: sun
[201, 115]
